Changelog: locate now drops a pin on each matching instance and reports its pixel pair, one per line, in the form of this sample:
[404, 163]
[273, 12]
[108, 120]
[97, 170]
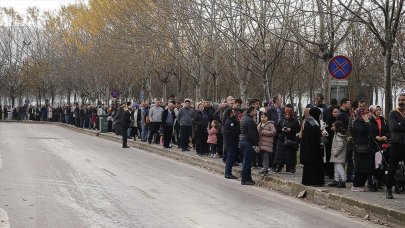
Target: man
[257, 157]
[344, 112]
[256, 104]
[185, 120]
[176, 135]
[168, 117]
[155, 116]
[125, 123]
[318, 103]
[238, 112]
[249, 140]
[396, 122]
[144, 124]
[136, 117]
[276, 115]
[231, 133]
[209, 110]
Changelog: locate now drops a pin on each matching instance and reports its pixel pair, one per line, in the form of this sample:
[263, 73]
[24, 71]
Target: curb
[359, 208]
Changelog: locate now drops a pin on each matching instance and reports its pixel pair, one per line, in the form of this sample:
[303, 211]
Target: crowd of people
[344, 141]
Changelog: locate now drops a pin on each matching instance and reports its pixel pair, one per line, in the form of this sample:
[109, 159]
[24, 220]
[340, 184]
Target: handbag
[290, 143]
[362, 149]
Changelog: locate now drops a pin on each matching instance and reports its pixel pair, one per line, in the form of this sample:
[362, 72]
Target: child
[212, 138]
[267, 131]
[339, 146]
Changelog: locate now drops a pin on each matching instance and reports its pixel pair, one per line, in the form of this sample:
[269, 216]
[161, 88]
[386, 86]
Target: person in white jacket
[338, 158]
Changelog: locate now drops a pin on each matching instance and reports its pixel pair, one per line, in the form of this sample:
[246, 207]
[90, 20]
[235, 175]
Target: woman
[200, 121]
[287, 143]
[363, 156]
[379, 133]
[311, 152]
[267, 131]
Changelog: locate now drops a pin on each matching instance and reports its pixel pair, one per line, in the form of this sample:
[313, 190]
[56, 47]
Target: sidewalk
[369, 205]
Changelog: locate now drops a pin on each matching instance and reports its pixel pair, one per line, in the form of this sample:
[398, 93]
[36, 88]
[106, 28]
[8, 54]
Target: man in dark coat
[231, 133]
[125, 123]
[311, 153]
[249, 140]
[318, 103]
[276, 115]
[397, 127]
[168, 117]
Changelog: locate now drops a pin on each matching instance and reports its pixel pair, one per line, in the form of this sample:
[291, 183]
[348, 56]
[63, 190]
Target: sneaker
[341, 185]
[248, 183]
[230, 177]
[357, 189]
[388, 193]
[333, 184]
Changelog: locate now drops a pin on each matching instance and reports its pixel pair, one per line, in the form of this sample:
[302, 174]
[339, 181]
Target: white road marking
[4, 219]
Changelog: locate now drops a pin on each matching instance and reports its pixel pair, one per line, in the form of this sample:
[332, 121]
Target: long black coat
[363, 163]
[284, 154]
[312, 154]
[125, 119]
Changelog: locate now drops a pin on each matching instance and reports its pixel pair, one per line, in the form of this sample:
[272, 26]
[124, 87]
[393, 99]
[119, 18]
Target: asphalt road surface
[54, 177]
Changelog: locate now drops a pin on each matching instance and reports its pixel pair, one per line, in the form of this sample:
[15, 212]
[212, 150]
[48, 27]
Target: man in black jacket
[168, 117]
[397, 127]
[249, 140]
[125, 123]
[231, 133]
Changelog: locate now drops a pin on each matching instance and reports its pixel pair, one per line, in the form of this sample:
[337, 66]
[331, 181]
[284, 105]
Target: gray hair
[401, 95]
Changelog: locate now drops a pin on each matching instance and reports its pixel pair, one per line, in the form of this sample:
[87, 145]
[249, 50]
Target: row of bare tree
[204, 49]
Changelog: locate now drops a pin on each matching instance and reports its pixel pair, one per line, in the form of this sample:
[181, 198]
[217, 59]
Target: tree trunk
[388, 80]
[164, 91]
[376, 95]
[68, 97]
[13, 101]
[150, 88]
[243, 91]
[327, 80]
[197, 92]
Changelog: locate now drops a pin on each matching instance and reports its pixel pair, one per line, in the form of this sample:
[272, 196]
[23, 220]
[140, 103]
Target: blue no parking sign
[340, 67]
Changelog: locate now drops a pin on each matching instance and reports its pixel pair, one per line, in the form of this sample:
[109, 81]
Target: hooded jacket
[339, 146]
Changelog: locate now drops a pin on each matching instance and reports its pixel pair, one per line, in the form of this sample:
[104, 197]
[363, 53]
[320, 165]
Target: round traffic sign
[340, 67]
[115, 93]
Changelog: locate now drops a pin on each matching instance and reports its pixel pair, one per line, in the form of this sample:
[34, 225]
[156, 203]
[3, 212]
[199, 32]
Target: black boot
[334, 184]
[388, 193]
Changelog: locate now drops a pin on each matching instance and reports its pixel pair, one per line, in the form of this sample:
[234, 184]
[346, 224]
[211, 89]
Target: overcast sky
[22, 5]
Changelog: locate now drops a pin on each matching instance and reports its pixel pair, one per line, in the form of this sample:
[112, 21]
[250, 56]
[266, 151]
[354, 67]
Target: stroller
[400, 179]
[381, 167]
[382, 170]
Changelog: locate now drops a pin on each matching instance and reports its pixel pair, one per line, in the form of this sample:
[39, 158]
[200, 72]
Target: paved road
[54, 177]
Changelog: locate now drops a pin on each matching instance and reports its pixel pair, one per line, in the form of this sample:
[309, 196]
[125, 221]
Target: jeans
[124, 136]
[213, 149]
[340, 172]
[266, 160]
[247, 151]
[185, 133]
[145, 132]
[167, 135]
[230, 159]
[154, 129]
